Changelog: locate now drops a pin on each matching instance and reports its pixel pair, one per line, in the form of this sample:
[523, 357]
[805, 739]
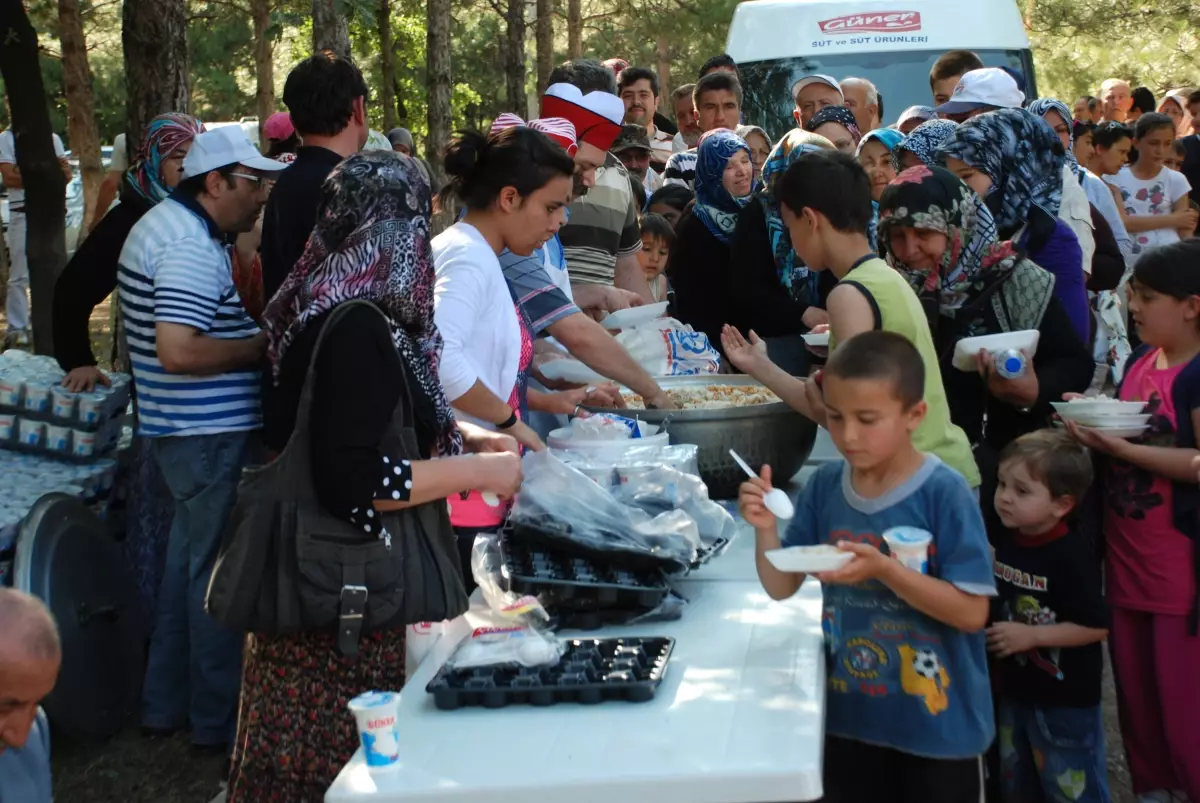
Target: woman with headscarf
[371, 243]
[90, 277]
[700, 267]
[759, 143]
[1015, 161]
[771, 291]
[838, 125]
[920, 146]
[941, 237]
[875, 155]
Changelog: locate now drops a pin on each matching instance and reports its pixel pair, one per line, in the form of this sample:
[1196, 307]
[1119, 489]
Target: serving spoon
[775, 500]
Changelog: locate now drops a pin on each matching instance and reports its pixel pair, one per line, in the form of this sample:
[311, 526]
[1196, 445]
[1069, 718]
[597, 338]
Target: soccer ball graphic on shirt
[926, 664]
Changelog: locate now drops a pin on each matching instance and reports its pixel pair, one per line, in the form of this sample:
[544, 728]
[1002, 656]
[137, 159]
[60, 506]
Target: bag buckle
[350, 618]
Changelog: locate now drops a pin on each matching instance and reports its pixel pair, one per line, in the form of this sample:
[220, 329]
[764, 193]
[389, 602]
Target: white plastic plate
[817, 340]
[1097, 407]
[634, 316]
[1116, 432]
[809, 559]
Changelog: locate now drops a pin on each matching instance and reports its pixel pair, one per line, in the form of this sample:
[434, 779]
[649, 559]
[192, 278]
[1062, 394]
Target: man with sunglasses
[195, 354]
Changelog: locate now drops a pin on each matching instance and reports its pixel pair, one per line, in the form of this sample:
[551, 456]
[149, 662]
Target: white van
[892, 43]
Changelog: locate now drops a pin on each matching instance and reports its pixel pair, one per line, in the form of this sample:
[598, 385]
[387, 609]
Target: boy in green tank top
[825, 201]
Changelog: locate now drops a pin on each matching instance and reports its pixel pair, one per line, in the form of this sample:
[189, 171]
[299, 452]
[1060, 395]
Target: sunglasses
[260, 182]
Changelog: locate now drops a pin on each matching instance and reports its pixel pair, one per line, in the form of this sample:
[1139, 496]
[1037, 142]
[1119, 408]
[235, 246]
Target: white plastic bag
[419, 639]
[669, 348]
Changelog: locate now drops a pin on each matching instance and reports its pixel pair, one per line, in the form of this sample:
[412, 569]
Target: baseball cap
[596, 116]
[224, 146]
[989, 86]
[400, 136]
[921, 113]
[816, 78]
[279, 126]
[632, 137]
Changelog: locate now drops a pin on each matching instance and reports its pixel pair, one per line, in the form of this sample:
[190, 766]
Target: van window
[902, 77]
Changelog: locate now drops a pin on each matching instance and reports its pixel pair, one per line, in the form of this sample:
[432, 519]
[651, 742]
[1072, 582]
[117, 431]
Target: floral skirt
[294, 730]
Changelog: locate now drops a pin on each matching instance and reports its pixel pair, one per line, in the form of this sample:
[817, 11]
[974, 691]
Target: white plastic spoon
[775, 500]
[490, 499]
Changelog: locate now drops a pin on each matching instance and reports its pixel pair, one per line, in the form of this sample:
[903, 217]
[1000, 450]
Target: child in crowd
[657, 238]
[908, 711]
[1151, 529]
[1175, 156]
[825, 202]
[1154, 197]
[1049, 622]
[671, 202]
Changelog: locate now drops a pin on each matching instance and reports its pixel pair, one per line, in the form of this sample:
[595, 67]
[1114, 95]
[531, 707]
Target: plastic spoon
[490, 499]
[775, 500]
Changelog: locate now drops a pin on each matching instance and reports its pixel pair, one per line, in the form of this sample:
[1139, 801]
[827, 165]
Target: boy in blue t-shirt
[908, 706]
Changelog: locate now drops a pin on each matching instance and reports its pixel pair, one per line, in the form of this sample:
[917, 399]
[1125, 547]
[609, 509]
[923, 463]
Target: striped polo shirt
[603, 226]
[175, 268]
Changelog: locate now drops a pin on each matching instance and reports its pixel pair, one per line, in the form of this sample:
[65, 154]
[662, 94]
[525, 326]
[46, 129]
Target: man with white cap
[980, 91]
[195, 354]
[813, 93]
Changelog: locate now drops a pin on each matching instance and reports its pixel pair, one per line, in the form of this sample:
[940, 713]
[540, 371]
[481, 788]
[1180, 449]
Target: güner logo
[887, 22]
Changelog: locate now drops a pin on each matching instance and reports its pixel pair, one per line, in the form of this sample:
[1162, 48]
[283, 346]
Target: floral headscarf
[840, 115]
[371, 242]
[1043, 105]
[923, 142]
[1022, 155]
[164, 135]
[793, 275]
[934, 199]
[715, 207]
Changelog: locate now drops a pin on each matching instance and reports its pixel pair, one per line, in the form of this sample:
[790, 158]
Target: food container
[966, 349]
[1102, 420]
[610, 451]
[602, 475]
[910, 546]
[772, 434]
[376, 714]
[83, 444]
[62, 402]
[37, 397]
[7, 424]
[31, 431]
[808, 559]
[1097, 407]
[58, 438]
[10, 392]
[633, 473]
[91, 407]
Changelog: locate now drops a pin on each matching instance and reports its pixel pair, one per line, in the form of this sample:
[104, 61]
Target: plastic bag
[562, 502]
[487, 567]
[606, 427]
[668, 348]
[507, 646]
[663, 488]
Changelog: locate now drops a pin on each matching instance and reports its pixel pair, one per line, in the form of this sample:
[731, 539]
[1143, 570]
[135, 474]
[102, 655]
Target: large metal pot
[771, 434]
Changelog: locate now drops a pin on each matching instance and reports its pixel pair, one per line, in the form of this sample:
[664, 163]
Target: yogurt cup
[7, 425]
[83, 443]
[910, 546]
[62, 403]
[10, 392]
[91, 406]
[601, 475]
[58, 438]
[31, 432]
[37, 397]
[376, 715]
[628, 474]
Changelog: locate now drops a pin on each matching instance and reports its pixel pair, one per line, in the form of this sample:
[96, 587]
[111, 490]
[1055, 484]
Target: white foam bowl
[808, 559]
[966, 349]
[1102, 421]
[1096, 407]
[817, 340]
[634, 316]
[1116, 432]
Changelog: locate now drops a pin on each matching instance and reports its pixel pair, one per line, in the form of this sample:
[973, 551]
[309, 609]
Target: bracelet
[508, 423]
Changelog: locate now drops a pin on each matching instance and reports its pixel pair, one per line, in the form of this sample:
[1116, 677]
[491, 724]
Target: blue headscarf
[923, 142]
[715, 207]
[801, 283]
[1022, 155]
[1043, 105]
[887, 137]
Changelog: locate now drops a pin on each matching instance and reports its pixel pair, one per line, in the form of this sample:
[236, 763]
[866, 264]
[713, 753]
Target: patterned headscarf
[164, 135]
[836, 114]
[801, 283]
[715, 207]
[923, 142]
[1043, 105]
[934, 199]
[1022, 155]
[558, 129]
[371, 242]
[887, 137]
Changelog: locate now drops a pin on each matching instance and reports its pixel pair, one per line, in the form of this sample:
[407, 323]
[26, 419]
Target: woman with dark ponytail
[515, 186]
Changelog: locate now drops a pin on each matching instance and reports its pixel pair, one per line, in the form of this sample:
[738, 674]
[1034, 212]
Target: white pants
[17, 306]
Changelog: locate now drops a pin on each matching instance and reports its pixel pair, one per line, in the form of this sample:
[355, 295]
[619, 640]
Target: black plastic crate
[590, 671]
[555, 534]
[578, 582]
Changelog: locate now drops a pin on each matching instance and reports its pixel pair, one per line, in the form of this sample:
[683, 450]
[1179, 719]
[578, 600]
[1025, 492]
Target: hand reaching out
[747, 356]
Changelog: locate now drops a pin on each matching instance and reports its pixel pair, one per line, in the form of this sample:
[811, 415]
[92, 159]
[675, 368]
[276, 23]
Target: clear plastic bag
[507, 646]
[558, 499]
[487, 567]
[662, 488]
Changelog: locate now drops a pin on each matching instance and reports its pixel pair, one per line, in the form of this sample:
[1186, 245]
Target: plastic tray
[590, 671]
[579, 582]
[555, 535]
[708, 551]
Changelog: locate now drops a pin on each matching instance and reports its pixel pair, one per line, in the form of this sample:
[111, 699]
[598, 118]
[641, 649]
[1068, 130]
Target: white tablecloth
[738, 718]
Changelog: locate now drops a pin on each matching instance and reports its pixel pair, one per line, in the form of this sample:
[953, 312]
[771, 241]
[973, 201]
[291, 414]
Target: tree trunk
[574, 29]
[437, 59]
[514, 57]
[81, 119]
[264, 66]
[544, 35]
[154, 36]
[387, 63]
[663, 52]
[330, 31]
[45, 185]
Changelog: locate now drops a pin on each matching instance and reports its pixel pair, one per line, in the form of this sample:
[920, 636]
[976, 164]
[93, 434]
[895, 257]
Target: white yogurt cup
[628, 474]
[37, 397]
[91, 406]
[31, 432]
[62, 403]
[910, 546]
[7, 425]
[83, 443]
[10, 392]
[601, 475]
[376, 713]
[58, 438]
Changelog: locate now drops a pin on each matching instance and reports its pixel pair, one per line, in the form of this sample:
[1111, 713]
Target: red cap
[597, 116]
[279, 126]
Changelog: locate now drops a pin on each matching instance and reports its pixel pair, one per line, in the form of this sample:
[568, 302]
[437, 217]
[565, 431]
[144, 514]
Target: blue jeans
[1051, 754]
[194, 670]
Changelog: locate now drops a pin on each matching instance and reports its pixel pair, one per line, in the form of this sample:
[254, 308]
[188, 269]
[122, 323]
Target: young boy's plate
[809, 559]
[817, 340]
[634, 316]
